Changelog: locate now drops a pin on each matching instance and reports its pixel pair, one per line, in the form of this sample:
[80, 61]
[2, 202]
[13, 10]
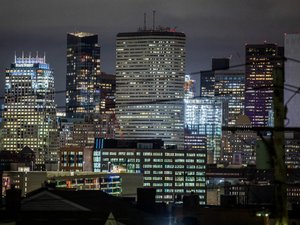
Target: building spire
[153, 25]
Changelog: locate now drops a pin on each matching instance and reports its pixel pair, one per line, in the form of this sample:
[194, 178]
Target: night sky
[213, 28]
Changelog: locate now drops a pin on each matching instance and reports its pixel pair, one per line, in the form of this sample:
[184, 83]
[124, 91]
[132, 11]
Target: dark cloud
[213, 28]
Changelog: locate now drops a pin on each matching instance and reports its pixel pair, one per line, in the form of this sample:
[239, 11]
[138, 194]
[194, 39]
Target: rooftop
[82, 34]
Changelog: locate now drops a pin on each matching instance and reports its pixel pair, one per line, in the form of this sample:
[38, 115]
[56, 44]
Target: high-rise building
[105, 126]
[29, 111]
[203, 126]
[150, 70]
[230, 84]
[291, 70]
[207, 78]
[261, 59]
[83, 68]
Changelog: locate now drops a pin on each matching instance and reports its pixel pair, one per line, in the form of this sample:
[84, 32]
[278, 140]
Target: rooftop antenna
[44, 57]
[145, 21]
[15, 56]
[153, 28]
[37, 54]
[22, 55]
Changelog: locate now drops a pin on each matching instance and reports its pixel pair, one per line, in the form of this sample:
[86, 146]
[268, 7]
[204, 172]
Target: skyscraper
[203, 126]
[260, 62]
[207, 78]
[150, 71]
[83, 67]
[29, 113]
[230, 84]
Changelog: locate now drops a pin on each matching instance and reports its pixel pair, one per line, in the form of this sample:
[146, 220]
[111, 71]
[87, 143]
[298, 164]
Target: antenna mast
[153, 28]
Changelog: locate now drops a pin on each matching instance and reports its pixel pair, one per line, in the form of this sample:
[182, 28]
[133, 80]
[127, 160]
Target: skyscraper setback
[83, 67]
[260, 62]
[29, 113]
[150, 69]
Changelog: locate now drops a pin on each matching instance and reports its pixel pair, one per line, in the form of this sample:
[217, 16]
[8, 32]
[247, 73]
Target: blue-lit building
[203, 126]
[29, 109]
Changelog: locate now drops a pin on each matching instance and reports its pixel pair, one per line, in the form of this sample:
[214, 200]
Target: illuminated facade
[207, 78]
[260, 61]
[120, 184]
[77, 132]
[230, 84]
[292, 150]
[172, 172]
[105, 126]
[83, 68]
[150, 68]
[203, 126]
[243, 143]
[29, 113]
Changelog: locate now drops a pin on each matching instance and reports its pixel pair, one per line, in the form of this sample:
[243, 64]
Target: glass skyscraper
[29, 109]
[203, 126]
[150, 70]
[83, 68]
[260, 62]
[230, 84]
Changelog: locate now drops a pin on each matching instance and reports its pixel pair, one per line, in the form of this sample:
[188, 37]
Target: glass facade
[260, 62]
[29, 111]
[83, 68]
[203, 126]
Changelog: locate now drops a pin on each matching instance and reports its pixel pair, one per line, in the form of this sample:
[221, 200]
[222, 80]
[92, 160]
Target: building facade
[261, 60]
[173, 173]
[29, 111]
[150, 70]
[230, 84]
[83, 68]
[203, 126]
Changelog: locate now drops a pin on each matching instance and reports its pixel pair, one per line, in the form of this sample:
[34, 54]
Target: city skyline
[212, 29]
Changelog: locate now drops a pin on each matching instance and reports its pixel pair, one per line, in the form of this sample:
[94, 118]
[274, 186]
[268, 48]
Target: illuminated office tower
[105, 127]
[203, 126]
[260, 61]
[230, 84]
[29, 113]
[291, 70]
[207, 78]
[83, 68]
[150, 70]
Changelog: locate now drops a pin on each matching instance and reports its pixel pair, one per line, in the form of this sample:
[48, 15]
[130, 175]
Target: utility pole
[278, 156]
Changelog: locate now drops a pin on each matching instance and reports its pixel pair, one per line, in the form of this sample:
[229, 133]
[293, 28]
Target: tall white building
[291, 69]
[150, 69]
[29, 110]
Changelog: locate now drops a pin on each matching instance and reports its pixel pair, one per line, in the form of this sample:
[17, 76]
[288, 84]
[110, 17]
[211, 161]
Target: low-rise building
[172, 172]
